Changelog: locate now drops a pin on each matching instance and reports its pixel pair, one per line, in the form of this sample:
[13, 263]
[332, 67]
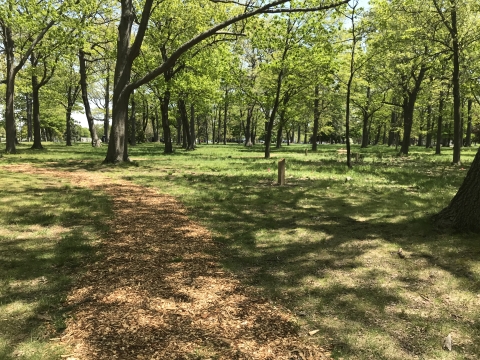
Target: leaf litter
[159, 291]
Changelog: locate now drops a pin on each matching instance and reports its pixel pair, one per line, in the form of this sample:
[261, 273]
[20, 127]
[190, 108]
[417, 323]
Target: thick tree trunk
[278, 143]
[463, 212]
[83, 84]
[316, 117]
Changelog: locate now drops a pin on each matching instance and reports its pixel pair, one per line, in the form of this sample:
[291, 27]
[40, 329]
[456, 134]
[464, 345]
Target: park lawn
[48, 230]
[325, 245]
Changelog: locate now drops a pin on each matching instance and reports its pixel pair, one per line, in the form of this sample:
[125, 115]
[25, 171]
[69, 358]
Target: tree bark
[248, 127]
[428, 143]
[133, 123]
[316, 117]
[225, 118]
[457, 119]
[167, 135]
[408, 109]
[192, 126]
[438, 148]
[107, 106]
[463, 212]
[468, 139]
[83, 84]
[186, 128]
[28, 102]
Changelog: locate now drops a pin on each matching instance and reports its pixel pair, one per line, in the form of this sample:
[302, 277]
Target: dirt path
[160, 293]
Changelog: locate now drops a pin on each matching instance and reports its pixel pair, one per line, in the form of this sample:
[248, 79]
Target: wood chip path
[159, 291]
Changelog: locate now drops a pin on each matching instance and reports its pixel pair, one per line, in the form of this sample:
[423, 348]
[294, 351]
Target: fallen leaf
[313, 332]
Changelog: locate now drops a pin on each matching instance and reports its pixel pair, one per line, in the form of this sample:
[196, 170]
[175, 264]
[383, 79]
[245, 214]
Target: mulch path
[159, 291]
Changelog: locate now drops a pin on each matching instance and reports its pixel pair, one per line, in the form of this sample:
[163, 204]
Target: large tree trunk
[463, 212]
[83, 84]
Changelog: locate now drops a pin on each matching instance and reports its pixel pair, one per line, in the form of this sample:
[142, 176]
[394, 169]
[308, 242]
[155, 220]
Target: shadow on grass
[47, 236]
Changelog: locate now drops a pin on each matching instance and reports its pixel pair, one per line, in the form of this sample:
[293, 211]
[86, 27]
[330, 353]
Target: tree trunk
[463, 212]
[192, 126]
[438, 148]
[107, 106]
[392, 132]
[167, 136]
[154, 120]
[316, 118]
[186, 129]
[468, 139]
[83, 84]
[278, 143]
[248, 127]
[37, 139]
[10, 127]
[68, 119]
[133, 123]
[28, 101]
[365, 131]
[457, 120]
[428, 143]
[225, 118]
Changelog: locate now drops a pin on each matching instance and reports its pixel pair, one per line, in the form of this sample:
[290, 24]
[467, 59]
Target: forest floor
[158, 290]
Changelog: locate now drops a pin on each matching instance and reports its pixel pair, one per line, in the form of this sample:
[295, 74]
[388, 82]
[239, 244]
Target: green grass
[47, 233]
[326, 247]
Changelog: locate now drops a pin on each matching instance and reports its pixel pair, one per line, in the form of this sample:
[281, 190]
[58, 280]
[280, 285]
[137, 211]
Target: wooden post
[306, 152]
[281, 172]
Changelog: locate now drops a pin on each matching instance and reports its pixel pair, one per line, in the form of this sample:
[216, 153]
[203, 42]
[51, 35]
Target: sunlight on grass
[41, 249]
[325, 245]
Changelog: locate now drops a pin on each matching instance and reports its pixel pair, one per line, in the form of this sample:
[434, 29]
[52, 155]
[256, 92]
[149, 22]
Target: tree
[127, 53]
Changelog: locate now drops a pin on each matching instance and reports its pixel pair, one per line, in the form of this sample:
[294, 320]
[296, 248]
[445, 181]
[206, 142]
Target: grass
[325, 246]
[47, 232]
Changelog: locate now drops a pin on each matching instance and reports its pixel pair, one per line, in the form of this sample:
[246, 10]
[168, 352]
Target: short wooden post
[306, 152]
[281, 172]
